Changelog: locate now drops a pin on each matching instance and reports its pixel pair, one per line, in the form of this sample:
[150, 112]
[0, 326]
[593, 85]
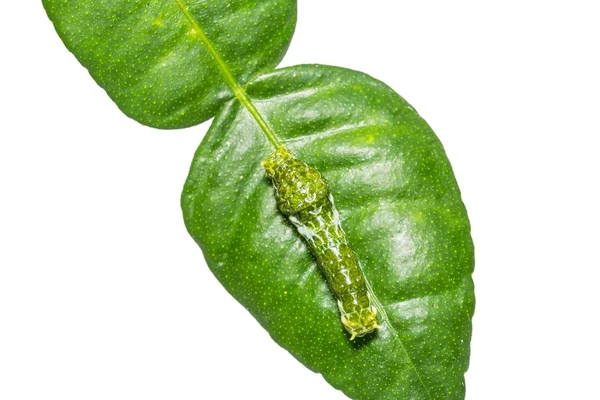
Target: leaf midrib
[238, 91]
[243, 97]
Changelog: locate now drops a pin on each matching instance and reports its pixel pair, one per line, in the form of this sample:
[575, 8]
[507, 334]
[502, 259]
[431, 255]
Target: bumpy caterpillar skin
[303, 196]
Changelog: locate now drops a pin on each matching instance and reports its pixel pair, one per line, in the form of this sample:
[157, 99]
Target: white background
[103, 295]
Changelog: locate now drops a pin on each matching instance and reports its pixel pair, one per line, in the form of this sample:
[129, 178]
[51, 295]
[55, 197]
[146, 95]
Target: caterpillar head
[297, 185]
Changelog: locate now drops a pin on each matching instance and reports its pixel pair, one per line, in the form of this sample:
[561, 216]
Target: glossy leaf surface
[399, 204]
[152, 56]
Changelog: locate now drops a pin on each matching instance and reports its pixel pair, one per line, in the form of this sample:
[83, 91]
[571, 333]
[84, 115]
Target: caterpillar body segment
[303, 195]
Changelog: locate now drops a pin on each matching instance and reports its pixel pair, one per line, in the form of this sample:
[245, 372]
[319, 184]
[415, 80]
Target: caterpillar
[303, 195]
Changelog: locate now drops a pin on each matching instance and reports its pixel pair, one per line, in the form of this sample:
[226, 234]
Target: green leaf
[154, 58]
[399, 204]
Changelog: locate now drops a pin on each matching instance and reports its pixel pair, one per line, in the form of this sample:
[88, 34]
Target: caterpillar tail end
[361, 324]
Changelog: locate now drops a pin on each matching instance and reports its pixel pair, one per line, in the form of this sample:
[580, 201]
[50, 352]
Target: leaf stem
[238, 91]
[243, 97]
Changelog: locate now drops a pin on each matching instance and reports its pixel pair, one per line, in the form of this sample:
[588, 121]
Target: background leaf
[399, 204]
[150, 56]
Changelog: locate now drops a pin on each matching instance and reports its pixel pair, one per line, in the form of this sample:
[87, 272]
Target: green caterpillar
[303, 196]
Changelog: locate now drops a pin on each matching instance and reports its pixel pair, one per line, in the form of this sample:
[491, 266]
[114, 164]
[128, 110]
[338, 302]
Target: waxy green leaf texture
[176, 63]
[152, 57]
[399, 205]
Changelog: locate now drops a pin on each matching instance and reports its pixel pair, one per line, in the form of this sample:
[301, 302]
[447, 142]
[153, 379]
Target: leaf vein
[238, 91]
